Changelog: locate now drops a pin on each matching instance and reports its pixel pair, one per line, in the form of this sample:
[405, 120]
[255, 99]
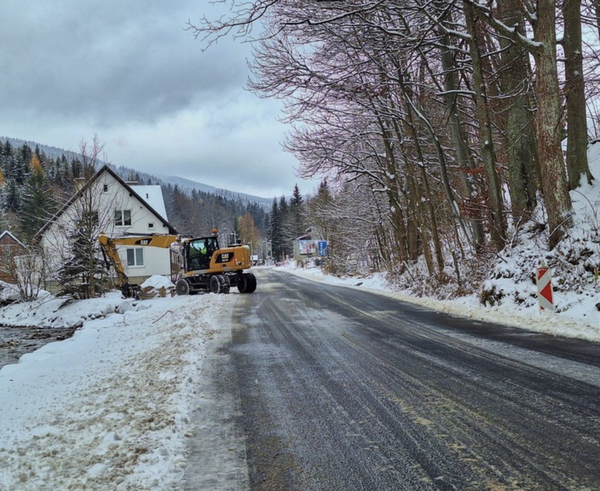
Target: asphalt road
[341, 389]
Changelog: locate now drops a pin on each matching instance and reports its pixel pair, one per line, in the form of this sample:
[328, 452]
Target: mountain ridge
[186, 185]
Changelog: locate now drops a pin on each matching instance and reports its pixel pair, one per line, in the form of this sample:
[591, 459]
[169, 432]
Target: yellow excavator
[197, 264]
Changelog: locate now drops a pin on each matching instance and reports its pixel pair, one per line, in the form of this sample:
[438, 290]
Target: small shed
[10, 246]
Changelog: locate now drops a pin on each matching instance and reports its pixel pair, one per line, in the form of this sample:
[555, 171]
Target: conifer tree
[3, 216]
[297, 225]
[284, 217]
[38, 203]
[275, 235]
[21, 164]
[12, 197]
[83, 274]
[6, 157]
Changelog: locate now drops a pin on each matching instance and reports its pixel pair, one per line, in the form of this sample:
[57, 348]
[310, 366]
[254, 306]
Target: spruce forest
[33, 187]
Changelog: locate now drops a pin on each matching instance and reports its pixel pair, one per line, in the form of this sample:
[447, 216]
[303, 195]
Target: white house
[120, 209]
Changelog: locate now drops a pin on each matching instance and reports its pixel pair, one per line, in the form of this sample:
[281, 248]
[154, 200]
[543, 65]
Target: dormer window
[106, 188]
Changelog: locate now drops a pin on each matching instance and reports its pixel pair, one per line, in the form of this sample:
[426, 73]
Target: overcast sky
[128, 72]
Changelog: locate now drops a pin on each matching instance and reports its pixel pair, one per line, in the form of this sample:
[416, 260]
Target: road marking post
[544, 289]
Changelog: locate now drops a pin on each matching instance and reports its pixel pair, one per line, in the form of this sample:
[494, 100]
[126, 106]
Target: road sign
[322, 247]
[544, 288]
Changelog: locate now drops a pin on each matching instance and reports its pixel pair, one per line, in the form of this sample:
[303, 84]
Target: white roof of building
[153, 196]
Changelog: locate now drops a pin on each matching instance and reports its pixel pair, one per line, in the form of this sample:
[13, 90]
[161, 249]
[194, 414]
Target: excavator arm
[111, 254]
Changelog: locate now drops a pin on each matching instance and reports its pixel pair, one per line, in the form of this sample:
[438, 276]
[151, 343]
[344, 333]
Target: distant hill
[185, 185]
[51, 152]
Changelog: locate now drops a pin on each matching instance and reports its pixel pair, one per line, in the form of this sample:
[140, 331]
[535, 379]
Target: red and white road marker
[544, 288]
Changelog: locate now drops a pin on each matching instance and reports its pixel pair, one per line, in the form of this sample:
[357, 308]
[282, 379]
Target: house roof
[6, 233]
[132, 191]
[153, 196]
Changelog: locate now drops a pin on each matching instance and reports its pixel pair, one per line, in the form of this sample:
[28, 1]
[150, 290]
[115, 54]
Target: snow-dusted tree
[542, 17]
[38, 203]
[25, 268]
[295, 226]
[517, 104]
[78, 264]
[83, 274]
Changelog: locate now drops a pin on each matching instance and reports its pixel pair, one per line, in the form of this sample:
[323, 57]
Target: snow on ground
[108, 408]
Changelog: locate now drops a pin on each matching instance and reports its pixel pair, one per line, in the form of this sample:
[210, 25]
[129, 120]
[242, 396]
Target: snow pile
[50, 311]
[157, 282]
[156, 285]
[108, 408]
[8, 293]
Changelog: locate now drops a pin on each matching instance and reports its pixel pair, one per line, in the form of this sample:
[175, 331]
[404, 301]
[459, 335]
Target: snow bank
[8, 293]
[108, 408]
[50, 311]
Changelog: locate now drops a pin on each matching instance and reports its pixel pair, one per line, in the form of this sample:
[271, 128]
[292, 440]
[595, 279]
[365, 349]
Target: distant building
[10, 246]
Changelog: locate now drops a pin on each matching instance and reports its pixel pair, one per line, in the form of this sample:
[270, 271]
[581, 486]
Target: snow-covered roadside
[108, 408]
[581, 321]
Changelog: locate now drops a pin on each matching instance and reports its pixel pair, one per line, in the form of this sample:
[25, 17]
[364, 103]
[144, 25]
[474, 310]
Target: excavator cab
[200, 252]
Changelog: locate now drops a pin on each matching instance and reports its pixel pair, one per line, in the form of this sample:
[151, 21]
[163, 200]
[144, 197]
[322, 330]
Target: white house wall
[156, 261]
[107, 196]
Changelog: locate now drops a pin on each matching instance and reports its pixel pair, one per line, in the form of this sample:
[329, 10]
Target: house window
[106, 188]
[122, 218]
[151, 225]
[135, 257]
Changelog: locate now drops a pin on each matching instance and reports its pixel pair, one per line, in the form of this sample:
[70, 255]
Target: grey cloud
[113, 64]
[128, 71]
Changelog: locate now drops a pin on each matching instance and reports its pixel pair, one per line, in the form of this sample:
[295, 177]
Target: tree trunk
[460, 142]
[486, 138]
[554, 178]
[522, 162]
[577, 162]
[422, 201]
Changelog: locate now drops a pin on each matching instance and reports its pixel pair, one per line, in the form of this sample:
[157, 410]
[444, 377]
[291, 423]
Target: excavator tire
[251, 279]
[182, 287]
[226, 286]
[247, 283]
[214, 284]
[242, 283]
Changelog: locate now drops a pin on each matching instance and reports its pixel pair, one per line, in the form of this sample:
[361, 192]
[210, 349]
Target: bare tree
[25, 270]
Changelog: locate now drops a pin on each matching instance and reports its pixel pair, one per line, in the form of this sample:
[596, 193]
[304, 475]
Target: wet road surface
[342, 389]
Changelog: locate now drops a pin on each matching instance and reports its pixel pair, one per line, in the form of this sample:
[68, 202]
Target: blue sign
[322, 247]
